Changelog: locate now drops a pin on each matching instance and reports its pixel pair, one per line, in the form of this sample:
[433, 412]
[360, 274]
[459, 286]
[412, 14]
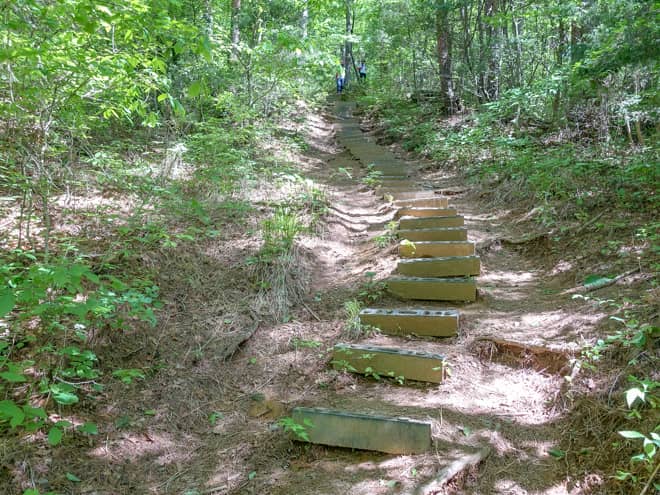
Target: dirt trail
[485, 402]
[202, 425]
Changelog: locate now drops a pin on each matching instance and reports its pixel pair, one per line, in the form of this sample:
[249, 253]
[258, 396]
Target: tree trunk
[208, 17]
[235, 28]
[443, 33]
[304, 19]
[348, 45]
[492, 88]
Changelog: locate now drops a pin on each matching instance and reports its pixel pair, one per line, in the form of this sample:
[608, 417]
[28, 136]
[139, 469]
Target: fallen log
[600, 284]
[449, 472]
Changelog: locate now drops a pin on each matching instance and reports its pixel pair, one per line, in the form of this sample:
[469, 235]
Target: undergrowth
[531, 165]
[60, 306]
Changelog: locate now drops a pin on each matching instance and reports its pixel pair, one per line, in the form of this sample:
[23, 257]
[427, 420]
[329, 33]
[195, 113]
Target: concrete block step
[435, 249]
[392, 173]
[408, 195]
[410, 223]
[448, 266]
[431, 202]
[363, 431]
[407, 211]
[387, 362]
[433, 289]
[433, 323]
[391, 176]
[440, 234]
[396, 183]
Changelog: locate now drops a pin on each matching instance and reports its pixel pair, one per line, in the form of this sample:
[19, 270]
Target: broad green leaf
[558, 453]
[34, 412]
[204, 49]
[63, 396]
[13, 377]
[7, 301]
[195, 89]
[9, 410]
[73, 477]
[649, 448]
[55, 436]
[89, 428]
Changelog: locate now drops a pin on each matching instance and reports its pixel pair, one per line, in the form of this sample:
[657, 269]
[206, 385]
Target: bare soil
[203, 424]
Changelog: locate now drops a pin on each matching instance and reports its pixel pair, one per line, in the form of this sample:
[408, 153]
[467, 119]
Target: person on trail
[340, 76]
[363, 71]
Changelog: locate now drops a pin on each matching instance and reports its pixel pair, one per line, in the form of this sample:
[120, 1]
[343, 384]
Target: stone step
[409, 195]
[410, 223]
[403, 183]
[431, 202]
[363, 431]
[435, 249]
[434, 323]
[393, 176]
[433, 289]
[392, 173]
[387, 362]
[407, 211]
[443, 234]
[448, 266]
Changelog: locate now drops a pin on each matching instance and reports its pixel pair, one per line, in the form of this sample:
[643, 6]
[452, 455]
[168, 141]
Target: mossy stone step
[435, 249]
[439, 234]
[363, 431]
[384, 361]
[448, 266]
[407, 211]
[430, 202]
[410, 223]
[433, 289]
[427, 322]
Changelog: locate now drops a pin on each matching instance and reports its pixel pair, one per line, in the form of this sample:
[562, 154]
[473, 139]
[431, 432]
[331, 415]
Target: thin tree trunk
[304, 19]
[443, 34]
[492, 73]
[348, 45]
[208, 17]
[235, 28]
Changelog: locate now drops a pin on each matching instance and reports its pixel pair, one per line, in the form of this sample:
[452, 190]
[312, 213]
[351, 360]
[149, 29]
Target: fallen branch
[583, 227]
[309, 310]
[449, 472]
[601, 284]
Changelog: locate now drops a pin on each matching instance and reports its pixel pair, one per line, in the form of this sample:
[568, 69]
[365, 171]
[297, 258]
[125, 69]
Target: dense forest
[155, 185]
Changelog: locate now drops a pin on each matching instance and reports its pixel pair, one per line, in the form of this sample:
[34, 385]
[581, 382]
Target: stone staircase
[436, 263]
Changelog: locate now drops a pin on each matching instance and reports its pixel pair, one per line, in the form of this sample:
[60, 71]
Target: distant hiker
[362, 69]
[340, 77]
